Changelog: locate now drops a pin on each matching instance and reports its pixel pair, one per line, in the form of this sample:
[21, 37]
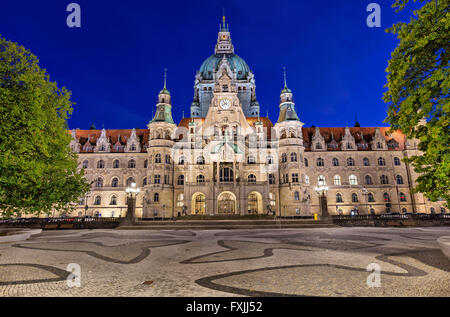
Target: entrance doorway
[227, 203]
[198, 204]
[254, 203]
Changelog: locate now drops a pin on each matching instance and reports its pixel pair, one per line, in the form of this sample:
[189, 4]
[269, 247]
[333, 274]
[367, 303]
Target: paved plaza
[287, 262]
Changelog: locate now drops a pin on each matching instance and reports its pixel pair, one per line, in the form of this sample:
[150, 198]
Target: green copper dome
[237, 64]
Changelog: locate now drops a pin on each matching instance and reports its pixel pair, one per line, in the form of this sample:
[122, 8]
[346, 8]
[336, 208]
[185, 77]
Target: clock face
[225, 104]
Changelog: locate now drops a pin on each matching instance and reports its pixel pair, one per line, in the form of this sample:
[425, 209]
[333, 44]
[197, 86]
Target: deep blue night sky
[114, 63]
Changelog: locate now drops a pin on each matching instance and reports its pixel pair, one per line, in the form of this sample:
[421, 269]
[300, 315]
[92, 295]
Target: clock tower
[225, 111]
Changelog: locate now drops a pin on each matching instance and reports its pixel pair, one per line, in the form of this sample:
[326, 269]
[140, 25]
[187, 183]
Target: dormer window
[133, 146]
[225, 88]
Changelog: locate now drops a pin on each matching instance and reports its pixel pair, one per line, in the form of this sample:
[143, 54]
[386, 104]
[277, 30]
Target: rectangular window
[295, 178]
[157, 179]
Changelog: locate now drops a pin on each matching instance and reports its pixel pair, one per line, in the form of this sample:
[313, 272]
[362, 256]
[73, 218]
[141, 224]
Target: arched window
[370, 198]
[321, 180]
[339, 198]
[381, 161]
[133, 147]
[386, 197]
[293, 157]
[269, 160]
[144, 181]
[271, 179]
[115, 182]
[201, 160]
[350, 162]
[167, 159]
[181, 160]
[251, 178]
[384, 179]
[399, 179]
[337, 180]
[368, 180]
[116, 164]
[85, 164]
[283, 158]
[158, 158]
[296, 195]
[131, 164]
[349, 146]
[318, 146]
[251, 159]
[99, 182]
[402, 197]
[101, 164]
[354, 198]
[113, 201]
[145, 163]
[130, 180]
[379, 145]
[97, 200]
[306, 162]
[366, 162]
[181, 180]
[353, 180]
[320, 162]
[396, 161]
[180, 200]
[200, 179]
[155, 197]
[335, 162]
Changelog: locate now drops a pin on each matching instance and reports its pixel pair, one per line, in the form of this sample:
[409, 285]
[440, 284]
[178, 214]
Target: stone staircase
[227, 224]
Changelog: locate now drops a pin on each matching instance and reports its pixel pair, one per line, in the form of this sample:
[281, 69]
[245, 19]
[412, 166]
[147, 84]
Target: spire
[357, 125]
[224, 45]
[164, 90]
[223, 20]
[285, 89]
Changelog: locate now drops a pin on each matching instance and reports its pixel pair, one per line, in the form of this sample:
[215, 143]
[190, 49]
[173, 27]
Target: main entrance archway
[198, 204]
[254, 203]
[227, 203]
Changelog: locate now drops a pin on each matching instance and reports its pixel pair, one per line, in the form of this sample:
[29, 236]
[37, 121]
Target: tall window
[226, 175]
[85, 164]
[320, 162]
[386, 197]
[269, 160]
[306, 162]
[271, 179]
[370, 198]
[116, 164]
[381, 161]
[97, 201]
[368, 180]
[145, 163]
[337, 180]
[115, 182]
[294, 177]
[180, 200]
[144, 181]
[251, 178]
[396, 161]
[157, 179]
[339, 198]
[366, 162]
[399, 179]
[156, 197]
[353, 180]
[354, 198]
[158, 158]
[350, 162]
[181, 160]
[402, 197]
[321, 180]
[296, 195]
[251, 159]
[101, 164]
[131, 164]
[181, 180]
[99, 182]
[335, 162]
[113, 201]
[384, 179]
[167, 159]
[283, 158]
[293, 157]
[306, 179]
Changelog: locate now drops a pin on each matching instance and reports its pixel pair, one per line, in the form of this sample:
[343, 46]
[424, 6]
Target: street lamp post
[322, 191]
[132, 192]
[365, 192]
[86, 201]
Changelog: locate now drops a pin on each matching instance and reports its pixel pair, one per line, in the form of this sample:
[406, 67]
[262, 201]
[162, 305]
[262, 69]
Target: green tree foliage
[418, 83]
[38, 171]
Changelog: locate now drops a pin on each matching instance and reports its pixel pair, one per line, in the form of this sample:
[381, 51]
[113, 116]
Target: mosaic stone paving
[290, 262]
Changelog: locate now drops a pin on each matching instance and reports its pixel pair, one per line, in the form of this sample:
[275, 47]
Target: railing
[76, 222]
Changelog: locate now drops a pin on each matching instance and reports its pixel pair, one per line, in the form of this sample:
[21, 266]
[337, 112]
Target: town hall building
[226, 159]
